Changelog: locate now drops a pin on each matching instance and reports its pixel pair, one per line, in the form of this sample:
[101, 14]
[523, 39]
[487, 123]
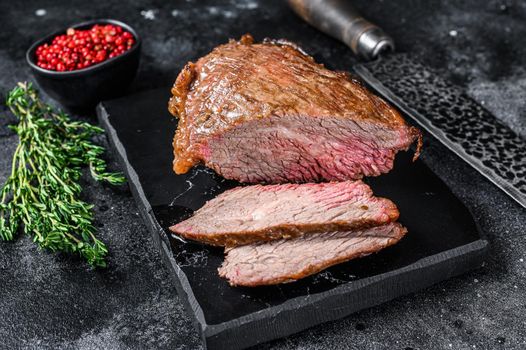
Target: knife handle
[340, 20]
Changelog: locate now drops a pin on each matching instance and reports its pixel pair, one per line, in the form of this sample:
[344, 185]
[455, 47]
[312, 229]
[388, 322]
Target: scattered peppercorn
[78, 49]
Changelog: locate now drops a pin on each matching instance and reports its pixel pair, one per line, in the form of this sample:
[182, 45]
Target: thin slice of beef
[288, 260]
[268, 112]
[260, 213]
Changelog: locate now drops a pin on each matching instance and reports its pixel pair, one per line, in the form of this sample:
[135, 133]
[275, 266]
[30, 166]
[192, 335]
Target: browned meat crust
[275, 85]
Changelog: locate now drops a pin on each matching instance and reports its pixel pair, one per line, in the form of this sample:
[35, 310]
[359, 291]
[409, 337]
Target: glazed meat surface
[267, 112]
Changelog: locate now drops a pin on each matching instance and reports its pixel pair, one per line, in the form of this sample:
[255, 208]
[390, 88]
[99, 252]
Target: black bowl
[86, 87]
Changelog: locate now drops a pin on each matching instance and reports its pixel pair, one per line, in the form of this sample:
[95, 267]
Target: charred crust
[417, 135]
[180, 90]
[246, 39]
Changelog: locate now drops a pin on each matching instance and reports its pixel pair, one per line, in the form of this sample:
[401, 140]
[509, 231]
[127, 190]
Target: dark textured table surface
[51, 301]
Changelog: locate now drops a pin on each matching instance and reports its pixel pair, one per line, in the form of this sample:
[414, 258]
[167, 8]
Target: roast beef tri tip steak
[288, 260]
[261, 213]
[267, 112]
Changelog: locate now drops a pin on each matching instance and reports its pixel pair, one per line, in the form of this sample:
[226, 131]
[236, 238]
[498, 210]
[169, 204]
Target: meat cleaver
[438, 106]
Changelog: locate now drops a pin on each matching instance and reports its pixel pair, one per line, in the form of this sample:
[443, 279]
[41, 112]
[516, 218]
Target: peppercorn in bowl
[87, 62]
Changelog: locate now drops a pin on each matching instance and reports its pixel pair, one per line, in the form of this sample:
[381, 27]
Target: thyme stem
[42, 193]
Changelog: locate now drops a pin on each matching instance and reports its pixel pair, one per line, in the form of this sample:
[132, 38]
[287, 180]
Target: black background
[57, 302]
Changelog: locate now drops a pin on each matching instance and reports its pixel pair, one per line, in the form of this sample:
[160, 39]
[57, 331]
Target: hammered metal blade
[454, 118]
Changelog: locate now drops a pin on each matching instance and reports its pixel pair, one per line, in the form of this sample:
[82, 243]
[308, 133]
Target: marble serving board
[443, 239]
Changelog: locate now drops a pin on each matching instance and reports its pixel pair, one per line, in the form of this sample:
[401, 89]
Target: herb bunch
[42, 194]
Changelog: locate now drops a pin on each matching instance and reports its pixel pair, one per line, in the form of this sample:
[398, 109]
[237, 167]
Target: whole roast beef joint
[267, 112]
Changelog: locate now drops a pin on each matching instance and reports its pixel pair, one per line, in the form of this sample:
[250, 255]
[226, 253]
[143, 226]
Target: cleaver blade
[451, 116]
[438, 106]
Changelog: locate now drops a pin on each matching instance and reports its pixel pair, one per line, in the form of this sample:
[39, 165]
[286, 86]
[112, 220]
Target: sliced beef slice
[288, 260]
[260, 213]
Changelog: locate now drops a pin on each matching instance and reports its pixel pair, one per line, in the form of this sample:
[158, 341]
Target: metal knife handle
[340, 20]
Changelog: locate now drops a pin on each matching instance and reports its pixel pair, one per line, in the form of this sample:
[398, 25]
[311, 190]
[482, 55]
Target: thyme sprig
[42, 194]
